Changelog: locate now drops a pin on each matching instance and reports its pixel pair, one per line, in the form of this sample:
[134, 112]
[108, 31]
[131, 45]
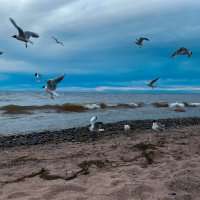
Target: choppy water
[24, 112]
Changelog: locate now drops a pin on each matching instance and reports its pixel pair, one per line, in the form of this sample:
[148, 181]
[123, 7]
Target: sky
[99, 52]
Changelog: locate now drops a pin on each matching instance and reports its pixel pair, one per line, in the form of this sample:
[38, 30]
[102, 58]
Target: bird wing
[21, 32]
[51, 83]
[61, 43]
[160, 128]
[161, 125]
[153, 81]
[183, 49]
[54, 38]
[93, 121]
[29, 34]
[58, 79]
[144, 39]
[175, 53]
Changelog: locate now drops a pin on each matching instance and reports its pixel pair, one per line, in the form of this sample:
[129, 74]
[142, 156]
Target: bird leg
[52, 96]
[26, 44]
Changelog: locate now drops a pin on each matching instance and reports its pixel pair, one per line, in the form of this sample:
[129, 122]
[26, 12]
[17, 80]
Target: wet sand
[138, 165]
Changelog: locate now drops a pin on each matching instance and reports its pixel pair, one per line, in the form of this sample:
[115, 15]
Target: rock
[180, 110]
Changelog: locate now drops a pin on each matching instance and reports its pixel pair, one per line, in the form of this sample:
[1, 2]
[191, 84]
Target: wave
[17, 109]
[177, 105]
[67, 107]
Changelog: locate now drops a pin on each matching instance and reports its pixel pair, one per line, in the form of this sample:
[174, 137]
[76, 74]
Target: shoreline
[136, 165]
[82, 134]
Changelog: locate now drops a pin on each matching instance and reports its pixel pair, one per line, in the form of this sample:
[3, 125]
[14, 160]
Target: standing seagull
[127, 127]
[51, 85]
[93, 121]
[157, 126]
[140, 41]
[151, 84]
[182, 51]
[37, 75]
[57, 40]
[23, 35]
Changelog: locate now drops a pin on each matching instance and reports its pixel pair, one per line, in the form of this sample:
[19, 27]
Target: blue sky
[99, 52]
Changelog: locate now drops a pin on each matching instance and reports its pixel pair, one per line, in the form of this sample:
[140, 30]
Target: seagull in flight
[151, 83]
[182, 51]
[140, 41]
[157, 126]
[57, 40]
[23, 36]
[52, 84]
[37, 75]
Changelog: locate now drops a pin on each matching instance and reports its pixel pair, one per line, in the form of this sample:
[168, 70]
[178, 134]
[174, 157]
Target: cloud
[99, 40]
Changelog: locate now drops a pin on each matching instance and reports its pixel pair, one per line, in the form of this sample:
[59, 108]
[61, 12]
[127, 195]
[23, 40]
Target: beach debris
[157, 126]
[58, 42]
[182, 51]
[52, 84]
[70, 175]
[23, 36]
[127, 127]
[86, 164]
[151, 83]
[146, 151]
[139, 41]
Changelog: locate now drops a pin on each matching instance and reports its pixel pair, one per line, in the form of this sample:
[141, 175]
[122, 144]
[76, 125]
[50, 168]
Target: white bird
[157, 126]
[37, 75]
[58, 42]
[127, 127]
[23, 35]
[93, 121]
[151, 83]
[52, 84]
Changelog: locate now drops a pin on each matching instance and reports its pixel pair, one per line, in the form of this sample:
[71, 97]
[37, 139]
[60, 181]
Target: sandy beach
[136, 165]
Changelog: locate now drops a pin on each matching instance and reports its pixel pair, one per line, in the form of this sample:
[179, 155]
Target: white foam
[177, 105]
[194, 104]
[92, 106]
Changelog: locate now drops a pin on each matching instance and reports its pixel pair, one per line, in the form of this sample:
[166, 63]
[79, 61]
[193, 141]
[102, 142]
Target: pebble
[82, 134]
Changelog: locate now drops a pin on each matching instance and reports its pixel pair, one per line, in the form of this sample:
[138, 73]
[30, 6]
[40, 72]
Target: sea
[27, 112]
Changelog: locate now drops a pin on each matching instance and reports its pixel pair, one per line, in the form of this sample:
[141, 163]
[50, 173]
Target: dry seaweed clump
[146, 151]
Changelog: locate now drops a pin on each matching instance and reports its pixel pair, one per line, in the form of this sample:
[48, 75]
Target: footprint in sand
[17, 195]
[58, 189]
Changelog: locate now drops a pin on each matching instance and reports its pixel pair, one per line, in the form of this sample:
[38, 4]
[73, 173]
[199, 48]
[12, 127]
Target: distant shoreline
[83, 134]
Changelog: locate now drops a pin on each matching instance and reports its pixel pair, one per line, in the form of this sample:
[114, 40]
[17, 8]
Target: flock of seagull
[25, 36]
[93, 126]
[181, 51]
[155, 126]
[51, 86]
